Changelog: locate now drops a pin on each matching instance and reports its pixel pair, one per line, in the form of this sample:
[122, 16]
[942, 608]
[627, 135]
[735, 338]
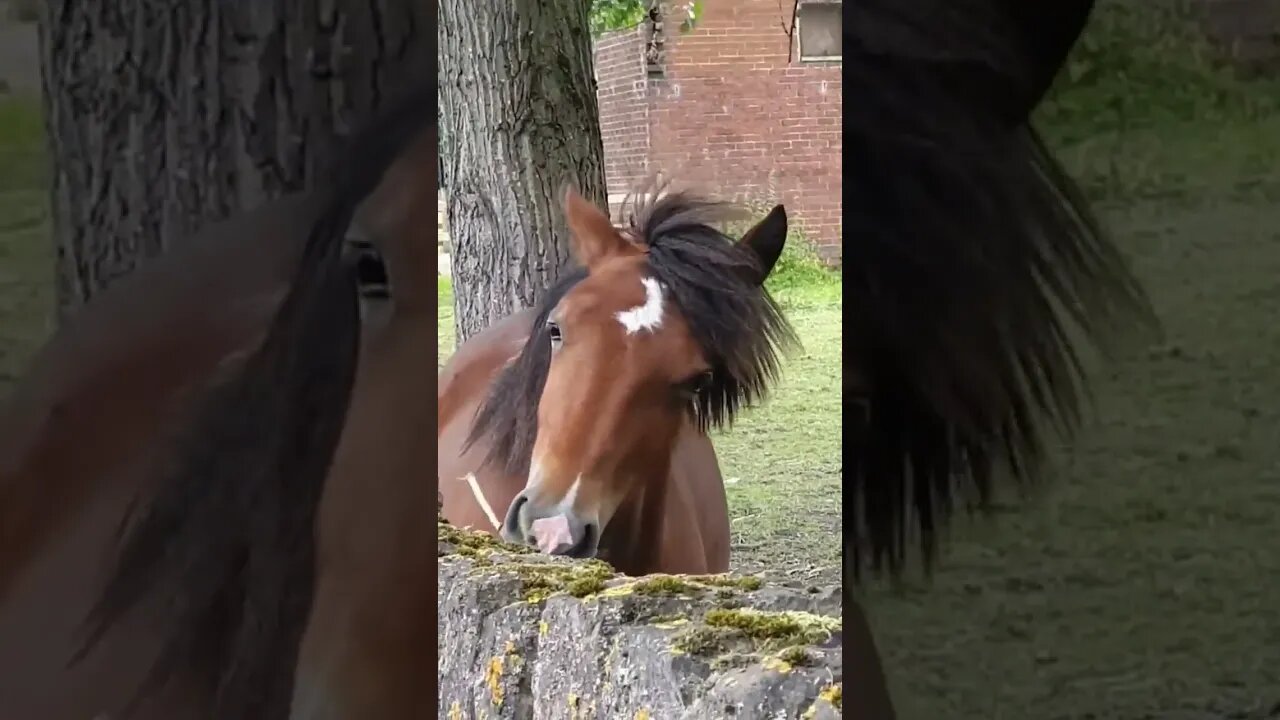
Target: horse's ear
[592, 236]
[765, 241]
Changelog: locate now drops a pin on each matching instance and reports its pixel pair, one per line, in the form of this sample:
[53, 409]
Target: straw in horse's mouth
[470, 479]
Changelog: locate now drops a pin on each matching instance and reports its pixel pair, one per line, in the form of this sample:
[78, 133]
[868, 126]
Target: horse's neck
[366, 645]
[636, 532]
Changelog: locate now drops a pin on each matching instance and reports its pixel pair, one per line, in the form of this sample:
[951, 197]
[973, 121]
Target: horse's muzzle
[553, 530]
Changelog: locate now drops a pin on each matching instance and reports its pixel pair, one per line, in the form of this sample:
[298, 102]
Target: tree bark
[164, 115]
[519, 121]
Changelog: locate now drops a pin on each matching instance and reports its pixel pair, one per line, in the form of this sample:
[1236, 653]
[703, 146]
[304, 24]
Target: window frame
[800, 56]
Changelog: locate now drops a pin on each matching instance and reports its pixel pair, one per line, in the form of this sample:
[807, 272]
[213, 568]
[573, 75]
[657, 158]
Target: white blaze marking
[647, 316]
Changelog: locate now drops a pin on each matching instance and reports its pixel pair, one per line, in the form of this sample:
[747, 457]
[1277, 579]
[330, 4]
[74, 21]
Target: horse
[971, 257]
[585, 418]
[221, 515]
[140, 344]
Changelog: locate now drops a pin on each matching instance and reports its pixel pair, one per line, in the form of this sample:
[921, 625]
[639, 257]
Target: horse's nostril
[518, 503]
[587, 544]
[515, 527]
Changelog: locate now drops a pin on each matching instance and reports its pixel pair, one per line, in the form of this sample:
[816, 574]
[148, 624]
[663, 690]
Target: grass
[26, 255]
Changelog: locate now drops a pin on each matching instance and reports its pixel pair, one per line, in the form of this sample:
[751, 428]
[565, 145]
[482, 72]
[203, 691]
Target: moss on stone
[614, 591]
[478, 558]
[723, 632]
[745, 583]
[701, 640]
[723, 585]
[773, 629]
[666, 585]
[470, 542]
[796, 656]
[540, 581]
[584, 586]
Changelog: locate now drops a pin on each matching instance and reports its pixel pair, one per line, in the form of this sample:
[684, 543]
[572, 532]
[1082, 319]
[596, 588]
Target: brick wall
[729, 113]
[624, 110]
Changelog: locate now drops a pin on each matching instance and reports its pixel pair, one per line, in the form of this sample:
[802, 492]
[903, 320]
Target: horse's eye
[697, 384]
[554, 331]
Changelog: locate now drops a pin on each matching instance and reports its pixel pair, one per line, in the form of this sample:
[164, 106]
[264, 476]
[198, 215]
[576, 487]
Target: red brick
[729, 114]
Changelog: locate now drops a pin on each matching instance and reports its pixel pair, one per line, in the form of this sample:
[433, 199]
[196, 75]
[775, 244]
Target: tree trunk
[518, 122]
[164, 115]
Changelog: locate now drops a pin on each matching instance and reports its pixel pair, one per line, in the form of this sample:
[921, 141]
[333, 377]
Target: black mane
[222, 557]
[712, 282]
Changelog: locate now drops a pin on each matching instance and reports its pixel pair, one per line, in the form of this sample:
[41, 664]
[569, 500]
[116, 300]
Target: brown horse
[139, 345]
[250, 581]
[586, 418]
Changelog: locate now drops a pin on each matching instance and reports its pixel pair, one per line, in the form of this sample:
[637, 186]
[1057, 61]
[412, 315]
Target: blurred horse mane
[973, 263]
[229, 537]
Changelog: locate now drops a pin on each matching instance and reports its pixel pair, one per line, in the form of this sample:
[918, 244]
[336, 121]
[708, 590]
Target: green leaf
[693, 11]
[609, 15]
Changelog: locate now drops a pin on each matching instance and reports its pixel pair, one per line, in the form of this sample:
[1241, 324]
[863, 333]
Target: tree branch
[789, 28]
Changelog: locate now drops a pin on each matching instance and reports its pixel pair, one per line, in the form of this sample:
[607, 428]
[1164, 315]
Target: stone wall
[528, 636]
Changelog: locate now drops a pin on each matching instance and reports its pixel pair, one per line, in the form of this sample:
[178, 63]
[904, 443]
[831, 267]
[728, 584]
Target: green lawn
[26, 256]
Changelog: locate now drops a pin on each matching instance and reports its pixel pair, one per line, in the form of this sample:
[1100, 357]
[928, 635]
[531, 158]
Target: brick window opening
[655, 52]
[818, 24]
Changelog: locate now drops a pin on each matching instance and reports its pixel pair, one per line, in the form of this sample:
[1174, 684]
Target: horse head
[668, 323]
